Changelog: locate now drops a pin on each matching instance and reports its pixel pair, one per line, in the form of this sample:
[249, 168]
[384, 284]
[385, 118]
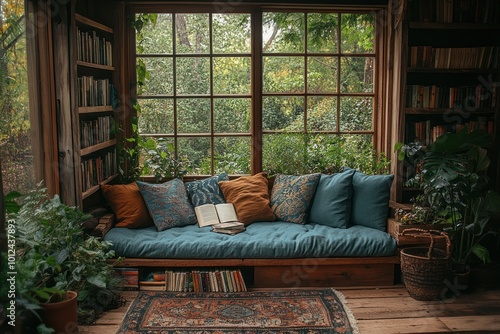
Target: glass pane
[283, 74]
[322, 113]
[322, 74]
[356, 75]
[155, 37]
[156, 116]
[148, 167]
[232, 115]
[322, 32]
[231, 33]
[283, 32]
[232, 155]
[231, 75]
[197, 150]
[18, 165]
[356, 113]
[192, 33]
[324, 154]
[283, 113]
[159, 76]
[357, 152]
[357, 33]
[193, 115]
[193, 75]
[284, 153]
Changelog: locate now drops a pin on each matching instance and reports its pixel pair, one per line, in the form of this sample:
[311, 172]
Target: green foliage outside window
[309, 123]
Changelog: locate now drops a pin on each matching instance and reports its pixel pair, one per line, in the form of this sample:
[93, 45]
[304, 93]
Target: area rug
[279, 311]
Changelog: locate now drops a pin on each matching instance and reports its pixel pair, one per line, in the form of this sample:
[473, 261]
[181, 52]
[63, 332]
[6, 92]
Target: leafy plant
[54, 255]
[455, 182]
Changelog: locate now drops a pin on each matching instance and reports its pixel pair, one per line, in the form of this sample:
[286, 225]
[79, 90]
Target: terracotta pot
[61, 316]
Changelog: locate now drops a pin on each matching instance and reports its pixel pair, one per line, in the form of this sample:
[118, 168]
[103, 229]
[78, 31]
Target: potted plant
[55, 260]
[455, 184]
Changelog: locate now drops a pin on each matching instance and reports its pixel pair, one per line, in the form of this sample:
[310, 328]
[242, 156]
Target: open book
[210, 214]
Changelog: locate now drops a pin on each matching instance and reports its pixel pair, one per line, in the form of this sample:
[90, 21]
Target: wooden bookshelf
[471, 42]
[92, 54]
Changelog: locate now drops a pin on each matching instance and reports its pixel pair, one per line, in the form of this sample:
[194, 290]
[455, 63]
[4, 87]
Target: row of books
[426, 132]
[210, 280]
[93, 92]
[92, 48]
[424, 56]
[456, 11]
[218, 280]
[96, 131]
[419, 96]
[96, 170]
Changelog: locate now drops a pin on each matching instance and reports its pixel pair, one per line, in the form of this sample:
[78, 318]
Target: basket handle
[416, 232]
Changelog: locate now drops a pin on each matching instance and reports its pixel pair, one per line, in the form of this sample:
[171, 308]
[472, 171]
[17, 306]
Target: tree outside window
[316, 92]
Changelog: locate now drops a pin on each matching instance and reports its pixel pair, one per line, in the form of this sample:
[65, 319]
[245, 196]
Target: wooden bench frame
[299, 272]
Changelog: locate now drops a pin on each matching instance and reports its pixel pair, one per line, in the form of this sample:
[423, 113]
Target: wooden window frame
[378, 131]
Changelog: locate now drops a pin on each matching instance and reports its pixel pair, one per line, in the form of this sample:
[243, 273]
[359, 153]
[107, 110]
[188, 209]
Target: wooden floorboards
[386, 311]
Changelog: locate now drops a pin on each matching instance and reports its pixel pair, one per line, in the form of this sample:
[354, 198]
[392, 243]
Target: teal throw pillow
[206, 191]
[332, 202]
[370, 200]
[168, 204]
[292, 195]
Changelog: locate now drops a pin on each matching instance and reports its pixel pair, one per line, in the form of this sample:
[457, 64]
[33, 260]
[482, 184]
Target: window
[280, 91]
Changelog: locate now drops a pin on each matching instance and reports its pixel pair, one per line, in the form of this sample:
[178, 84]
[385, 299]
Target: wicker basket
[425, 269]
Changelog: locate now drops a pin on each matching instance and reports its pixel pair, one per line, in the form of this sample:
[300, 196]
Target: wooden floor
[385, 311]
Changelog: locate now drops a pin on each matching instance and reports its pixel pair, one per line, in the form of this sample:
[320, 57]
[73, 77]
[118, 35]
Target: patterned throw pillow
[168, 204]
[292, 195]
[206, 191]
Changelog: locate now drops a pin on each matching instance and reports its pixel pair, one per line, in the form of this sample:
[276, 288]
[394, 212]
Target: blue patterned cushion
[292, 195]
[168, 204]
[206, 191]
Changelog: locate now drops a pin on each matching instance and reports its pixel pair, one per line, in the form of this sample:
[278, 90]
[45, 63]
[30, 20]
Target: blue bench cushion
[261, 240]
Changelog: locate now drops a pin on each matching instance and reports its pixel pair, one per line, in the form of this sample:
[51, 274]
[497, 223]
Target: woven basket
[425, 269]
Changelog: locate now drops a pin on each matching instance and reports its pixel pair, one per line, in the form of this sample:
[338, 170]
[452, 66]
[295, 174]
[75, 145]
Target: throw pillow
[292, 195]
[370, 200]
[168, 204]
[127, 204]
[250, 197]
[332, 202]
[206, 191]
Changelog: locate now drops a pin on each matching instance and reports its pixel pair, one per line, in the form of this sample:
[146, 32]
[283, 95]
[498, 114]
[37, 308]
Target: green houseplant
[54, 256]
[456, 185]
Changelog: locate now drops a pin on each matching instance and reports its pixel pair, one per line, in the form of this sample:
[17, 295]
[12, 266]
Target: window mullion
[212, 130]
[174, 78]
[257, 69]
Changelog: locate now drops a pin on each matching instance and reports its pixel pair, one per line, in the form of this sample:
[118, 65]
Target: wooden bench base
[302, 272]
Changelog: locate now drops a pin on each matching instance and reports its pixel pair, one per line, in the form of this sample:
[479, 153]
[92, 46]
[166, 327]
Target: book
[210, 214]
[152, 286]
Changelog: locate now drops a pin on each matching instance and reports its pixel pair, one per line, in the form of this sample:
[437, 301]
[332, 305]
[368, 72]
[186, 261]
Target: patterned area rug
[281, 311]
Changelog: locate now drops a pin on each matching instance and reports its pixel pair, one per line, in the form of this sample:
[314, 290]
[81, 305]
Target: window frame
[256, 127]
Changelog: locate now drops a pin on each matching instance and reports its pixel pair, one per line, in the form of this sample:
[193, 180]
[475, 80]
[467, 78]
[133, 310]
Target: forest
[15, 140]
[194, 74]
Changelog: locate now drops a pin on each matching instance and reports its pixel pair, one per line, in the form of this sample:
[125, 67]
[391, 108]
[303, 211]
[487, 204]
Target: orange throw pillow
[250, 197]
[127, 204]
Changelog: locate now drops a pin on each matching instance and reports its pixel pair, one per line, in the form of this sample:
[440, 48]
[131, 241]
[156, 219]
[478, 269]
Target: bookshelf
[450, 74]
[223, 279]
[93, 73]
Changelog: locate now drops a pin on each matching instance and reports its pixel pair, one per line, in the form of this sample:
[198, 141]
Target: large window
[279, 91]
